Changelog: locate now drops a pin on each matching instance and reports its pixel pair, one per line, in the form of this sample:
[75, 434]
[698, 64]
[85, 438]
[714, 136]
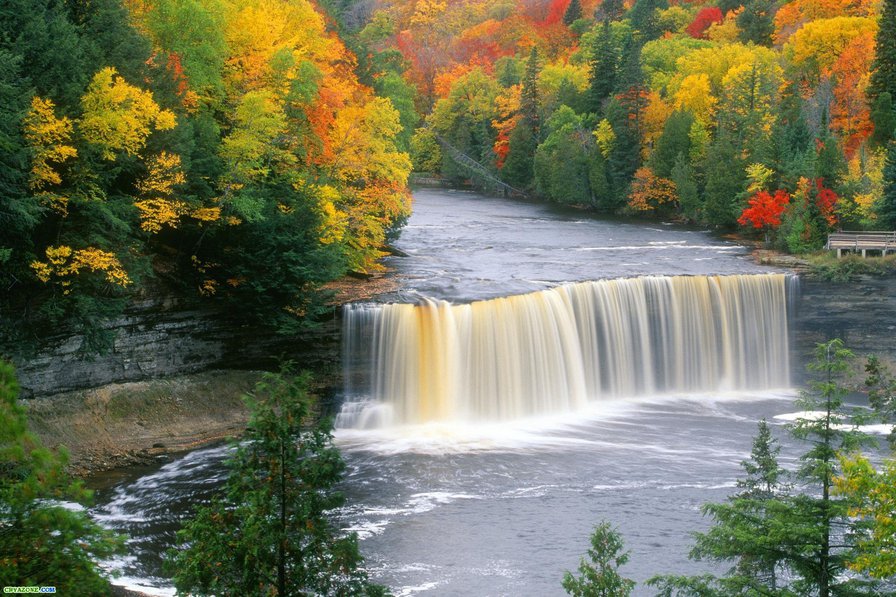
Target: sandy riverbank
[135, 423]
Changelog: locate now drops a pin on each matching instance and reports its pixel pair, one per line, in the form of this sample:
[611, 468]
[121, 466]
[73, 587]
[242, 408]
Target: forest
[769, 116]
[247, 153]
[220, 151]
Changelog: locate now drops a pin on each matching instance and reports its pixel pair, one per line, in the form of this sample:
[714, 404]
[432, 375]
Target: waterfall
[555, 350]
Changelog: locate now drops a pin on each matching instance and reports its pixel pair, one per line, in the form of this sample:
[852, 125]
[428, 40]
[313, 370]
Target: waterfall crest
[555, 350]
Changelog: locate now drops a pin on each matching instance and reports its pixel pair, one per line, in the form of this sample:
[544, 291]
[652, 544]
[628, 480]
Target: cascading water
[555, 350]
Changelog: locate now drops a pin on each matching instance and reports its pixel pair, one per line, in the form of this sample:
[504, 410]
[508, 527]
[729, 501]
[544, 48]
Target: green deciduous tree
[871, 494]
[568, 167]
[599, 575]
[46, 536]
[270, 532]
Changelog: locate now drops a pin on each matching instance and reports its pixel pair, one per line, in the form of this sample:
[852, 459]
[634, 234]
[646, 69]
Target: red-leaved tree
[826, 200]
[704, 18]
[764, 211]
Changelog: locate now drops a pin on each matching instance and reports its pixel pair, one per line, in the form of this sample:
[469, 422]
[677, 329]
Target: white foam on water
[817, 415]
[557, 431]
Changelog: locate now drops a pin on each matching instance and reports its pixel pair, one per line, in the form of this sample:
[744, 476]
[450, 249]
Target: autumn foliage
[706, 17]
[765, 209]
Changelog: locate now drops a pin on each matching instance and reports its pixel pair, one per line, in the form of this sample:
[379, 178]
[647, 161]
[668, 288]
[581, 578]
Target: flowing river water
[485, 437]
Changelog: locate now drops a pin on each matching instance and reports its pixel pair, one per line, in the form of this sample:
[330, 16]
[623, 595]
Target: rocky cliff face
[156, 339]
[861, 313]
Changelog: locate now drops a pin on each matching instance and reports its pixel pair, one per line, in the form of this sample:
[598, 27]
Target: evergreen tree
[883, 115]
[756, 23]
[743, 531]
[569, 95]
[600, 577]
[883, 73]
[55, 58]
[684, 177]
[269, 533]
[674, 141]
[644, 18]
[611, 10]
[44, 541]
[529, 108]
[519, 163]
[725, 180]
[625, 155]
[507, 71]
[886, 205]
[783, 542]
[573, 12]
[830, 165]
[602, 69]
[826, 515]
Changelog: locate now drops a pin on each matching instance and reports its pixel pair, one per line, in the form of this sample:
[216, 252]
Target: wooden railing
[862, 241]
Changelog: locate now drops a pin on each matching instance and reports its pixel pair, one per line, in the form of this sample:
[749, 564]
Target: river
[480, 505]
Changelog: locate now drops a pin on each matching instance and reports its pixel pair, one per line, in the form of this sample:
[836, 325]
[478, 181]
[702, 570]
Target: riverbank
[138, 423]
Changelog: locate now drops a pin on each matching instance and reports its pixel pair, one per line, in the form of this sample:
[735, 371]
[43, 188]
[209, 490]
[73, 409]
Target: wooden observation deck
[862, 241]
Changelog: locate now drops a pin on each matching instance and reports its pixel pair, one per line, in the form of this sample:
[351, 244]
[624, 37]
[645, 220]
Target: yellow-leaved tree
[119, 117]
[158, 203]
[48, 139]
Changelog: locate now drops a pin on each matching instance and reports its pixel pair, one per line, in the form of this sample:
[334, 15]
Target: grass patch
[827, 267]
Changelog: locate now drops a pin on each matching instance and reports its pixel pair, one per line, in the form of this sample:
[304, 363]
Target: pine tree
[611, 10]
[600, 577]
[529, 108]
[674, 141]
[883, 115]
[743, 531]
[270, 533]
[573, 12]
[725, 179]
[603, 66]
[519, 163]
[44, 541]
[644, 18]
[886, 205]
[784, 542]
[686, 184]
[883, 74]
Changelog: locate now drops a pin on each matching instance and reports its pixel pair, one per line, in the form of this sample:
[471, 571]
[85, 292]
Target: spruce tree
[600, 577]
[519, 163]
[603, 67]
[883, 116]
[611, 10]
[573, 12]
[886, 205]
[743, 531]
[44, 541]
[785, 542]
[725, 179]
[674, 141]
[529, 108]
[270, 534]
[644, 18]
[883, 73]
